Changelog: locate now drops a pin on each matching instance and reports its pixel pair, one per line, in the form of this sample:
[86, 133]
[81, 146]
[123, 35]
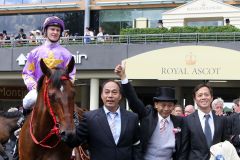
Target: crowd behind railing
[126, 39]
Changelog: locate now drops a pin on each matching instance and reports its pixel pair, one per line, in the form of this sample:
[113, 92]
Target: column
[94, 94]
[84, 96]
[87, 14]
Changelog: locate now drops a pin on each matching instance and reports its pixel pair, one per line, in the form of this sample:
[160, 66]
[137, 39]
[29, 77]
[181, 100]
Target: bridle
[55, 130]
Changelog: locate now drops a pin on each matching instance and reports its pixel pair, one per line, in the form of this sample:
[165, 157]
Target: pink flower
[176, 130]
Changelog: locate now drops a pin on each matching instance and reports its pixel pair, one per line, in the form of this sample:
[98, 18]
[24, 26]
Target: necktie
[112, 124]
[163, 124]
[207, 130]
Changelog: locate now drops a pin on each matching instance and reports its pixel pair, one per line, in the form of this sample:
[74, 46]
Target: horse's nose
[62, 133]
[65, 135]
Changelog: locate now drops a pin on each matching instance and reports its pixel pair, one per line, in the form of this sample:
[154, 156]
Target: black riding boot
[15, 153]
[23, 117]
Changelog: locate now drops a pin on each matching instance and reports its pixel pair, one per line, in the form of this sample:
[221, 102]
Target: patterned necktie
[112, 124]
[207, 130]
[163, 124]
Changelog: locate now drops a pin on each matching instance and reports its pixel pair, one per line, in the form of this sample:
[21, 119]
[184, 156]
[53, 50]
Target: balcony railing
[133, 39]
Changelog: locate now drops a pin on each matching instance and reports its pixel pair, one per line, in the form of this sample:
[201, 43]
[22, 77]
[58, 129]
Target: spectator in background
[39, 37]
[189, 109]
[160, 24]
[236, 106]
[2, 41]
[5, 36]
[178, 110]
[88, 35]
[100, 35]
[21, 35]
[234, 126]
[32, 38]
[217, 106]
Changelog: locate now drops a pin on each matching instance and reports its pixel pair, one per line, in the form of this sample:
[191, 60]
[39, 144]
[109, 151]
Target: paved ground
[8, 149]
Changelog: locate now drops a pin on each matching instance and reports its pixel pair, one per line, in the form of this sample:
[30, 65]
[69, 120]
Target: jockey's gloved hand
[76, 119]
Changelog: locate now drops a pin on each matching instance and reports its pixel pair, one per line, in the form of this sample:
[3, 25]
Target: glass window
[1, 1]
[12, 23]
[205, 23]
[125, 18]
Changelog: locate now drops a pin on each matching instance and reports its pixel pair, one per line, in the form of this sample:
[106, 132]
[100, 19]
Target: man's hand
[120, 70]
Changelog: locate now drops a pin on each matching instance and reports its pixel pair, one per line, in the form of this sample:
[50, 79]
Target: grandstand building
[180, 63]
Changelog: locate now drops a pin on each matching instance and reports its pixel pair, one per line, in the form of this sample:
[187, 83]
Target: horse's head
[58, 94]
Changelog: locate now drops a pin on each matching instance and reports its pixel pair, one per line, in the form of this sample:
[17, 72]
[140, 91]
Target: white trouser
[30, 99]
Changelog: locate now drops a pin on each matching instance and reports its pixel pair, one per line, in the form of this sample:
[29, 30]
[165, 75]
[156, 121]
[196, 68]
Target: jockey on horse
[53, 55]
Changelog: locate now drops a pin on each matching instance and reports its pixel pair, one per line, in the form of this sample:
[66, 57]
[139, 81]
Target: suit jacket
[148, 117]
[194, 142]
[95, 131]
[234, 130]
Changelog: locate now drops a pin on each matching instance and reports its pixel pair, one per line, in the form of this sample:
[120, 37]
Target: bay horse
[51, 117]
[8, 124]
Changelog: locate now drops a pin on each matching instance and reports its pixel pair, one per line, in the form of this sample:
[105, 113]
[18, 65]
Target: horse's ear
[46, 71]
[70, 66]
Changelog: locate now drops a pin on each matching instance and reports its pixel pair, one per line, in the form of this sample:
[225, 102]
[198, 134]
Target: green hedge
[209, 29]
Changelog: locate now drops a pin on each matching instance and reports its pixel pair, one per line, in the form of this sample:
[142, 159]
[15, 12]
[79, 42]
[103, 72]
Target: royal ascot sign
[185, 62]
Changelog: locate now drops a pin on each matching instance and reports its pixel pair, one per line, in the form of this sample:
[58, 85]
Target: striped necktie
[112, 124]
[163, 124]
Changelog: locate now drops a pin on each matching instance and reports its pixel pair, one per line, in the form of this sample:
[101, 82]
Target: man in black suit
[203, 128]
[112, 133]
[234, 126]
[160, 131]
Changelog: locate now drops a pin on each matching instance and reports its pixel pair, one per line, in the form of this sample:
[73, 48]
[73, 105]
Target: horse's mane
[55, 78]
[10, 114]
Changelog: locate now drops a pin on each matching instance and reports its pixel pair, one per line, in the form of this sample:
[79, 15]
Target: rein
[55, 129]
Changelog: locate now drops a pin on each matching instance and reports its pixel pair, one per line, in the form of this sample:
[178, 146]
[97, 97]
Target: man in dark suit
[112, 133]
[234, 126]
[160, 131]
[202, 128]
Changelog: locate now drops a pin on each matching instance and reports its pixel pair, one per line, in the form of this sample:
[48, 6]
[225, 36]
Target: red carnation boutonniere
[176, 130]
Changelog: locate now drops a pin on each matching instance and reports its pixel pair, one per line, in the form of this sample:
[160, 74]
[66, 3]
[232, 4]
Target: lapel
[198, 128]
[176, 124]
[217, 126]
[103, 123]
[153, 119]
[124, 122]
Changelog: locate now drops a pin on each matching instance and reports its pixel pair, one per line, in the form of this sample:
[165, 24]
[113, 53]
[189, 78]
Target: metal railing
[132, 39]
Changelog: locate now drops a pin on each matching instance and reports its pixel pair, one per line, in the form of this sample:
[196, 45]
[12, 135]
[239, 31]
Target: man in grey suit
[112, 133]
[160, 131]
[202, 128]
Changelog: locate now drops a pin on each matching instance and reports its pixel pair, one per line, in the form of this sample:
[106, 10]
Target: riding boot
[15, 153]
[23, 117]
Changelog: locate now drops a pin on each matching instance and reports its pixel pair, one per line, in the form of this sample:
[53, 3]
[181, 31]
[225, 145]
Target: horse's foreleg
[3, 153]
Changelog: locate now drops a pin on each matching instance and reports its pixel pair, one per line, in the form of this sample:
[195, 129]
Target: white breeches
[30, 99]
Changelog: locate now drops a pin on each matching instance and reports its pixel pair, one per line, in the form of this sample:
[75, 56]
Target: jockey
[52, 53]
